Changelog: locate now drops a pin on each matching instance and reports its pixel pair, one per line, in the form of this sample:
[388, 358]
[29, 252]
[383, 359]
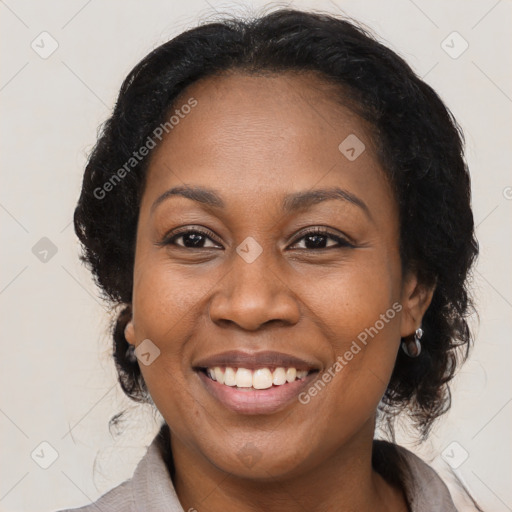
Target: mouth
[261, 383]
[260, 378]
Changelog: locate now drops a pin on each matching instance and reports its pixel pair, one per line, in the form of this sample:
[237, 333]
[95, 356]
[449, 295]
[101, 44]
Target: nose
[253, 294]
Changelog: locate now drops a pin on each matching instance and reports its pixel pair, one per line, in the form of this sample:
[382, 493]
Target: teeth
[219, 375]
[261, 378]
[291, 373]
[243, 378]
[279, 377]
[229, 377]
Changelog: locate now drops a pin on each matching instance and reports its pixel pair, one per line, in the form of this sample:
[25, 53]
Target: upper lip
[253, 360]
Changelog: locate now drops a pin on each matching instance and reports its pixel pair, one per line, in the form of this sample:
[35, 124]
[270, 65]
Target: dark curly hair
[419, 145]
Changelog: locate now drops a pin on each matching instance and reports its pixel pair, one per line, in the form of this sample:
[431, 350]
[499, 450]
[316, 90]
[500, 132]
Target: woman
[281, 209]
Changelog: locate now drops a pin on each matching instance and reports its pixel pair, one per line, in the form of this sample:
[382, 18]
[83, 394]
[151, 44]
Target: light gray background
[58, 384]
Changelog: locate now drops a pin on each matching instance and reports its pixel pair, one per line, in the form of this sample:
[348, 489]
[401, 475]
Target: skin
[255, 139]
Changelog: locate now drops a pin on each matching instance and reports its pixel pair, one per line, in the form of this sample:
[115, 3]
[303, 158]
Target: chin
[275, 459]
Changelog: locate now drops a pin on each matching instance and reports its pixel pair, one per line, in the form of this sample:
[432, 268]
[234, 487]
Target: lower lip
[256, 401]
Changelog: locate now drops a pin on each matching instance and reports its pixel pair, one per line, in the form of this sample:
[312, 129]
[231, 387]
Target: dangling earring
[413, 347]
[130, 354]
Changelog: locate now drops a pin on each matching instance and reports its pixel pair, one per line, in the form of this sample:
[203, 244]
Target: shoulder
[423, 487]
[118, 499]
[149, 490]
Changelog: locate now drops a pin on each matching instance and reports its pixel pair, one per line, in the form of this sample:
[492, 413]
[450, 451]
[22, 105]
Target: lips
[255, 383]
[255, 360]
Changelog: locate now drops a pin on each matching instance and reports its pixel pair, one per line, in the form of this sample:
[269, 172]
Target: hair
[418, 142]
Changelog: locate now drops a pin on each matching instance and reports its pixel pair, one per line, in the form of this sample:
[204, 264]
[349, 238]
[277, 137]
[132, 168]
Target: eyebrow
[291, 203]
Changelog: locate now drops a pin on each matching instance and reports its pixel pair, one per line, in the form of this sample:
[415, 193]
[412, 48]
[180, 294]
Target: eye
[191, 239]
[196, 238]
[318, 239]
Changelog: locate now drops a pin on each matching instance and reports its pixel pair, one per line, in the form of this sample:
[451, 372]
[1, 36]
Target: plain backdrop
[58, 384]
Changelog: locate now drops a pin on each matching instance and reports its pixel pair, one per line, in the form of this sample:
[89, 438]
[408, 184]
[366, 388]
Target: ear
[416, 298]
[129, 332]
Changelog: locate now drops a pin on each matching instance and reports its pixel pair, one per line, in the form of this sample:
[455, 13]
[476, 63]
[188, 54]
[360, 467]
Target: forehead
[262, 136]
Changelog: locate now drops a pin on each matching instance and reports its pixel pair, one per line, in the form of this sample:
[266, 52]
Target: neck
[343, 481]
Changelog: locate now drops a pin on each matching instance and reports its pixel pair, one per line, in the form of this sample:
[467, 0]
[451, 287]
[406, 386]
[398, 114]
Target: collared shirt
[151, 488]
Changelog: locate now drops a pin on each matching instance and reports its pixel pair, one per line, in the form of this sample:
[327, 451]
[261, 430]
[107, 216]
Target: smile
[261, 378]
[255, 383]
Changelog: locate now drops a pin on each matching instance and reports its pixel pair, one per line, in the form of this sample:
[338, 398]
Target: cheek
[166, 298]
[166, 306]
[352, 299]
[359, 310]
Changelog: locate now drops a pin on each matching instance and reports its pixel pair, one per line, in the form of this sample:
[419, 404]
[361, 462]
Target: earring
[130, 354]
[413, 347]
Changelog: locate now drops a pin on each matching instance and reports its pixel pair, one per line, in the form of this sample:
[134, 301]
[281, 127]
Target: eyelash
[342, 242]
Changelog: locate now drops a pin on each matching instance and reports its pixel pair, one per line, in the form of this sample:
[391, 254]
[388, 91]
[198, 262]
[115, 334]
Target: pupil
[319, 241]
[194, 238]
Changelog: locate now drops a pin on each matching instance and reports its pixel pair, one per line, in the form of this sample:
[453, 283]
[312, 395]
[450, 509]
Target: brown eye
[319, 239]
[191, 239]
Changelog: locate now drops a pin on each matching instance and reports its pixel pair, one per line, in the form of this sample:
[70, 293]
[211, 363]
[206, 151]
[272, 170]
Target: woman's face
[229, 273]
